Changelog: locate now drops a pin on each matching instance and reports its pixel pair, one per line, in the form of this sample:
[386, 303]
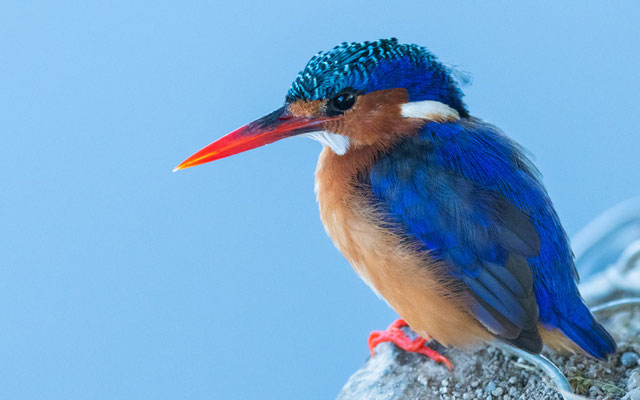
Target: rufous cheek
[376, 118]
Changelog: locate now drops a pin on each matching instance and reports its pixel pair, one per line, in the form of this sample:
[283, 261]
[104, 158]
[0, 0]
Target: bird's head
[356, 94]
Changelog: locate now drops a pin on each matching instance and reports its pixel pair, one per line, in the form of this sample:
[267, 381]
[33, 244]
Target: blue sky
[122, 280]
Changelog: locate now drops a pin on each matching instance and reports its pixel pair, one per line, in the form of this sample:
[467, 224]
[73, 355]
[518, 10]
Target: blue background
[121, 280]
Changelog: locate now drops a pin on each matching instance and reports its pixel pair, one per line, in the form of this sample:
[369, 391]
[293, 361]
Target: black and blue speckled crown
[370, 66]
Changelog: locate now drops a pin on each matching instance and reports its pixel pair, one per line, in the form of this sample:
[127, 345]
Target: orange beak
[268, 129]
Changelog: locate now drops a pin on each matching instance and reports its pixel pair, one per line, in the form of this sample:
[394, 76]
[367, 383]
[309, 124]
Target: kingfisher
[438, 211]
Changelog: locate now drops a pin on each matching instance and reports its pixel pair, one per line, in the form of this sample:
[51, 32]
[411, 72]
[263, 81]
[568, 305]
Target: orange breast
[408, 279]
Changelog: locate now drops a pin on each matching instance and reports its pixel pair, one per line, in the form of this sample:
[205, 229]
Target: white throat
[431, 110]
[338, 143]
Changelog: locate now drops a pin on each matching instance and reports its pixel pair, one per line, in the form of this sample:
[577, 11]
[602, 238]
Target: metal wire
[557, 377]
[616, 304]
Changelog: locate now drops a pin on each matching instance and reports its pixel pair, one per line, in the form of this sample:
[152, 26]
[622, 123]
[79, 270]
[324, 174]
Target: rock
[629, 359]
[487, 372]
[634, 379]
[632, 395]
[595, 391]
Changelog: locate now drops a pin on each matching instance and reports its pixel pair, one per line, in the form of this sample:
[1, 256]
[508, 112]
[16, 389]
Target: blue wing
[470, 196]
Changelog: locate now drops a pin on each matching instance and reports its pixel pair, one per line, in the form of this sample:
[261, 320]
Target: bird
[444, 216]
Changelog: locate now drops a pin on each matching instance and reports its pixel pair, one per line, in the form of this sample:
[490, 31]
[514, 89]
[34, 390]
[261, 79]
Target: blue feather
[471, 197]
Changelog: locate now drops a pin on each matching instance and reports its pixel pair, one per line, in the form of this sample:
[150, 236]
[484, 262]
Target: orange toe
[395, 335]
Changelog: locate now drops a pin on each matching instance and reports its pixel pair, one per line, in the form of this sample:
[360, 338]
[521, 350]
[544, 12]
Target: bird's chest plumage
[392, 266]
[348, 214]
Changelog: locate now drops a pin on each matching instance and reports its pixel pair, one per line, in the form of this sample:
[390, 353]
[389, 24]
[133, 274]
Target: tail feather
[587, 333]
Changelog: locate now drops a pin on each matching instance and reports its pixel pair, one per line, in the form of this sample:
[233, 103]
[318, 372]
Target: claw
[395, 335]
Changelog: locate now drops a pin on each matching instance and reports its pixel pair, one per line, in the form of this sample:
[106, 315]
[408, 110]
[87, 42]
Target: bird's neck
[337, 176]
[338, 182]
[340, 177]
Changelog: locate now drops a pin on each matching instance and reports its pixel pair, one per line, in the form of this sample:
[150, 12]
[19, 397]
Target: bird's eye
[343, 101]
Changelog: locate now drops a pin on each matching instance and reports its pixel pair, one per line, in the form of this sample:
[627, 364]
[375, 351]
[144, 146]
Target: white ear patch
[338, 143]
[431, 110]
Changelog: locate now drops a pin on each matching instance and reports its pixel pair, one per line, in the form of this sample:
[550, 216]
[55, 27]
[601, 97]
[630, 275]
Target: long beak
[275, 126]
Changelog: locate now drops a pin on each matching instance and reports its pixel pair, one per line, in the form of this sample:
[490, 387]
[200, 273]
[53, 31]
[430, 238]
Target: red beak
[275, 126]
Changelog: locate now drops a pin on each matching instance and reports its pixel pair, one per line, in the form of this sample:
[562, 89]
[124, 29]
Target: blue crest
[371, 66]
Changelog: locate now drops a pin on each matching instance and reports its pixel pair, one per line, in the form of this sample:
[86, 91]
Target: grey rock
[394, 374]
[632, 395]
[629, 359]
[634, 379]
[595, 391]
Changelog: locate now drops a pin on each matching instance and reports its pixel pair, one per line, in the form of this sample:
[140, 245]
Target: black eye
[343, 101]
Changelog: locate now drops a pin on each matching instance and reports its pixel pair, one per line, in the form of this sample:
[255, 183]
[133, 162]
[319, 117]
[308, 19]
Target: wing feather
[483, 238]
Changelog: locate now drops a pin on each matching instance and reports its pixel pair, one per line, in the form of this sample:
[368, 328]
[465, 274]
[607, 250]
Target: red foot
[395, 335]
